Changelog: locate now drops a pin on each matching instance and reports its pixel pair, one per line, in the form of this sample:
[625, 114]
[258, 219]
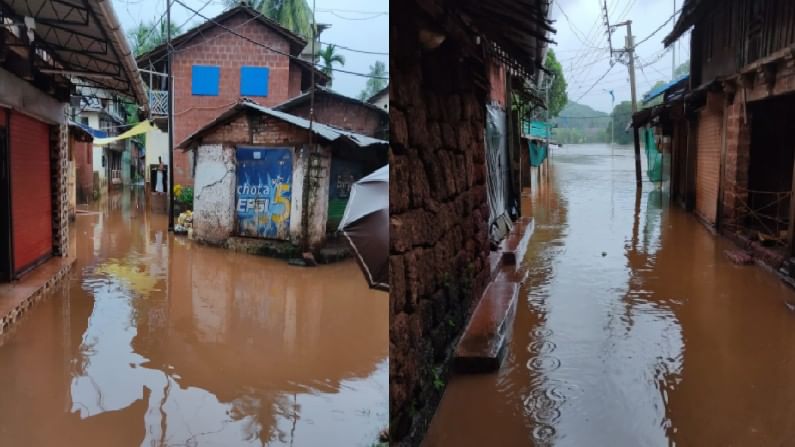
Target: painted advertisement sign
[264, 192]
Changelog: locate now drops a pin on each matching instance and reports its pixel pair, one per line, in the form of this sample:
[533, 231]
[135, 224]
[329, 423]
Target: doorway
[6, 265]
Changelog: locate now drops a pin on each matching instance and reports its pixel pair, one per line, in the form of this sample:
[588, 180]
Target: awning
[653, 93]
[84, 40]
[138, 129]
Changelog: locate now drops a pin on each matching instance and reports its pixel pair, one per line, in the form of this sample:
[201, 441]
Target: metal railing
[158, 102]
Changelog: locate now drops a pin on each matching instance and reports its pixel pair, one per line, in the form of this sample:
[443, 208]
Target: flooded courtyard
[632, 329]
[157, 341]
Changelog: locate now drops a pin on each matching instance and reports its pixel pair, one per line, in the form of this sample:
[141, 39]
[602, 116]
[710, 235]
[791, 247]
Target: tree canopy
[295, 15]
[149, 35]
[376, 82]
[329, 56]
[557, 93]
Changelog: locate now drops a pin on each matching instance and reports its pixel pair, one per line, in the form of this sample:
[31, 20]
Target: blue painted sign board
[264, 192]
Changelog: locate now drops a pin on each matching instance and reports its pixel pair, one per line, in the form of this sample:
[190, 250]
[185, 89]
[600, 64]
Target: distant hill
[578, 123]
[580, 116]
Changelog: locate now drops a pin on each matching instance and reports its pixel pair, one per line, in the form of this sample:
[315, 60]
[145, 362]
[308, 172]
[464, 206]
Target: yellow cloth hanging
[142, 127]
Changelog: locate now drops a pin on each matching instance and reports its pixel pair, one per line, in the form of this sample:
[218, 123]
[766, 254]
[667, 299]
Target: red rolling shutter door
[31, 196]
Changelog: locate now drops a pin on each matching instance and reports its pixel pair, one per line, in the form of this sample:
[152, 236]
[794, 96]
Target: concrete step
[482, 345]
[514, 247]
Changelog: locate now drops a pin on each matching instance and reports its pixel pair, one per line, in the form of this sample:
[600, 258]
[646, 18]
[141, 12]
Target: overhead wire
[268, 47]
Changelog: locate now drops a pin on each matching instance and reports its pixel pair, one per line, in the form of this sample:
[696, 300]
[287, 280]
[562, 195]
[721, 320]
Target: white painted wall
[156, 146]
[214, 193]
[318, 201]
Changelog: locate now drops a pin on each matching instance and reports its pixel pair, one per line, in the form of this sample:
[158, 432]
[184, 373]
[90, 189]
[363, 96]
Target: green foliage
[557, 93]
[683, 68]
[438, 382]
[328, 56]
[184, 195]
[376, 82]
[622, 115]
[295, 15]
[579, 123]
[147, 36]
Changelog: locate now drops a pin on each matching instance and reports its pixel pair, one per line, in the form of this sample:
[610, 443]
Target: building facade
[213, 68]
[738, 159]
[251, 178]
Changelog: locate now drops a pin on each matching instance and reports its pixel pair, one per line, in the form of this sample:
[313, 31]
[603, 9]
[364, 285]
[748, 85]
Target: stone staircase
[482, 346]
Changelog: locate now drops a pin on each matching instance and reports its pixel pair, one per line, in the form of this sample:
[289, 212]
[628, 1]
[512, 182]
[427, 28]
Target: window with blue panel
[254, 81]
[205, 80]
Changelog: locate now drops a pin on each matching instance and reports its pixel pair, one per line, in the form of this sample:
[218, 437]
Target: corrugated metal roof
[324, 131]
[84, 39]
[653, 93]
[321, 90]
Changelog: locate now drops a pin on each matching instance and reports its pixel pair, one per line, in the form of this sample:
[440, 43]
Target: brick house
[35, 88]
[732, 154]
[251, 165]
[213, 68]
[340, 111]
[451, 129]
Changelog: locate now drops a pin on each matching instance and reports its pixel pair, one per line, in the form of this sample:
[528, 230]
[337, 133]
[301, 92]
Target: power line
[659, 28]
[194, 15]
[342, 47]
[594, 84]
[375, 16]
[260, 44]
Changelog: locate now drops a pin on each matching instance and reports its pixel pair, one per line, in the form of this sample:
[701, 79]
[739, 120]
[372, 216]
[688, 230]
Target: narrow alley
[157, 340]
[632, 328]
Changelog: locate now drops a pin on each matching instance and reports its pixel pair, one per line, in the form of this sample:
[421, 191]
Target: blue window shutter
[254, 81]
[204, 80]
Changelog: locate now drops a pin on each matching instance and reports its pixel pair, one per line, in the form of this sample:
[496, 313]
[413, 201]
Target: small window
[254, 81]
[204, 80]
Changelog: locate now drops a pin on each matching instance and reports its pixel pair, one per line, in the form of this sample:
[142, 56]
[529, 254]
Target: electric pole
[629, 50]
[170, 121]
[673, 49]
[306, 212]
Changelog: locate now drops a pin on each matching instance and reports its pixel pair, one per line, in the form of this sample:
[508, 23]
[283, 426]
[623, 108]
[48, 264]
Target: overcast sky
[582, 47]
[357, 24]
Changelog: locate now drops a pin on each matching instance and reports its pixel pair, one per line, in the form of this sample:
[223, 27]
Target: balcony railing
[158, 102]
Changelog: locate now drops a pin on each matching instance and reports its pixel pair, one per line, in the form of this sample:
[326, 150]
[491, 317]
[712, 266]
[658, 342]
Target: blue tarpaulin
[536, 129]
[96, 133]
[655, 92]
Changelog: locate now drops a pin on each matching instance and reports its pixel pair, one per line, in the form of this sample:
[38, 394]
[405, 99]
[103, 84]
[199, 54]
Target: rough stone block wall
[438, 214]
[59, 162]
[735, 174]
[220, 48]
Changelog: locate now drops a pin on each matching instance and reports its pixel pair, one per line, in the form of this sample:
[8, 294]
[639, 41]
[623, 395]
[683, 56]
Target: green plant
[184, 195]
[438, 382]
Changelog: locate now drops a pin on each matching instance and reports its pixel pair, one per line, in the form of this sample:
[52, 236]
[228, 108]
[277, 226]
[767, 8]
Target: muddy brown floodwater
[661, 341]
[157, 341]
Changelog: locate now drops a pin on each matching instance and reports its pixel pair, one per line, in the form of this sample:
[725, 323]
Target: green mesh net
[654, 158]
[538, 153]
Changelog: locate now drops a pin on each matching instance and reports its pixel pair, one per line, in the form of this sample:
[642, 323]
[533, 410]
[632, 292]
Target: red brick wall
[295, 80]
[346, 115]
[497, 82]
[438, 217]
[31, 207]
[84, 169]
[735, 182]
[229, 52]
[265, 131]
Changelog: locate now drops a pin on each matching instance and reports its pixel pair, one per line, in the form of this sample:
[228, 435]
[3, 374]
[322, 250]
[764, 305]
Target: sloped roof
[324, 131]
[84, 40]
[320, 90]
[692, 11]
[297, 43]
[378, 94]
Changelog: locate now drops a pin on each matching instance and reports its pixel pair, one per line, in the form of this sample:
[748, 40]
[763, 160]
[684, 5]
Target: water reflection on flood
[634, 329]
[158, 341]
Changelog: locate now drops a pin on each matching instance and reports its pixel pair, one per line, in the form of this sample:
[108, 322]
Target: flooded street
[157, 341]
[632, 329]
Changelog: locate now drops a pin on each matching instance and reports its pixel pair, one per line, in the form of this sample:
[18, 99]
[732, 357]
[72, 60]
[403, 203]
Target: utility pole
[305, 212]
[170, 84]
[629, 50]
[673, 49]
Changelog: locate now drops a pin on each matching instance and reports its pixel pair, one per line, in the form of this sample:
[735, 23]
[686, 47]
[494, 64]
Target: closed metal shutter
[708, 165]
[31, 192]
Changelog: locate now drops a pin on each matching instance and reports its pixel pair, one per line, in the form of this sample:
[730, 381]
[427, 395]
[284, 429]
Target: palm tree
[329, 56]
[147, 36]
[295, 15]
[378, 80]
